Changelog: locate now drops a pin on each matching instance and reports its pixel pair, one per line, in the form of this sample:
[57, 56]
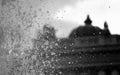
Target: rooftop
[89, 30]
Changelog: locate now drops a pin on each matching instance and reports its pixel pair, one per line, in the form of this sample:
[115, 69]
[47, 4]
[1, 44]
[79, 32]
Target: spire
[88, 21]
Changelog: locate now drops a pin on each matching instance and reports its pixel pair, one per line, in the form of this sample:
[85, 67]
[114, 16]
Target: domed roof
[88, 30]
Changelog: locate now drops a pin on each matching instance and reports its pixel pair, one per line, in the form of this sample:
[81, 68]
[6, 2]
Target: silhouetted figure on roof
[89, 30]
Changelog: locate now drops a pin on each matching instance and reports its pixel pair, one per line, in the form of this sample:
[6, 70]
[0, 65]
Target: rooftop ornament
[88, 21]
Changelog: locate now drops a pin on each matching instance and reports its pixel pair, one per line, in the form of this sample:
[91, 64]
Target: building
[89, 50]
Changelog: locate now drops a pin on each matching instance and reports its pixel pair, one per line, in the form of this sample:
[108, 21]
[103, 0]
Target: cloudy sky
[66, 15]
[99, 11]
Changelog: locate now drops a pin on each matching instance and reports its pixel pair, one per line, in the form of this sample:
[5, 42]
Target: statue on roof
[106, 28]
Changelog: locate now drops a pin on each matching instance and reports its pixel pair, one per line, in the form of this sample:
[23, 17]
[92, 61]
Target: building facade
[89, 50]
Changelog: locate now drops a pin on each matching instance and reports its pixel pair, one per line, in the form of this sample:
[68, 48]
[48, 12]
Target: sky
[69, 14]
[99, 11]
[65, 15]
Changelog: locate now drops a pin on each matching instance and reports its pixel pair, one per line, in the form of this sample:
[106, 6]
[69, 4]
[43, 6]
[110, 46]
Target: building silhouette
[89, 50]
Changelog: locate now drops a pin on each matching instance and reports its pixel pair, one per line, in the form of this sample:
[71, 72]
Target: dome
[88, 30]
